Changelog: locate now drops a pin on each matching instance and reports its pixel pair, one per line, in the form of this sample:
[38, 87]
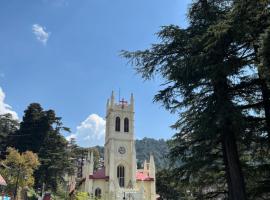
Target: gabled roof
[141, 176]
[99, 174]
[2, 181]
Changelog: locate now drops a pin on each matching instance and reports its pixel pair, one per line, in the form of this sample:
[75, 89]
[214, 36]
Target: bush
[81, 196]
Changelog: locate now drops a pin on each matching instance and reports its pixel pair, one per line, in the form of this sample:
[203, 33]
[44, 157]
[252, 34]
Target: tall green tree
[54, 155]
[210, 69]
[33, 129]
[41, 132]
[8, 127]
[249, 22]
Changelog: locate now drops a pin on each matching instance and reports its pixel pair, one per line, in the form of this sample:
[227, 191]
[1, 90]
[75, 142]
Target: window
[126, 125]
[117, 124]
[98, 193]
[121, 175]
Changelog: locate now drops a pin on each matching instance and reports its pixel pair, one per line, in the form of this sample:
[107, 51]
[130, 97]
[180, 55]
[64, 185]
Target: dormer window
[126, 125]
[117, 124]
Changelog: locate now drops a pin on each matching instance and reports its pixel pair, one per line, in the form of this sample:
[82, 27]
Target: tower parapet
[123, 105]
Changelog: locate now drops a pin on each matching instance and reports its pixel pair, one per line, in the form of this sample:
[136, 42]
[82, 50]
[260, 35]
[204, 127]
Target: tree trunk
[225, 116]
[263, 73]
[266, 102]
[235, 180]
[228, 178]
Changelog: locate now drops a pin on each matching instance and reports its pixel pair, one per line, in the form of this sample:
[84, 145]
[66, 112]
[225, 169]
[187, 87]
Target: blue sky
[64, 54]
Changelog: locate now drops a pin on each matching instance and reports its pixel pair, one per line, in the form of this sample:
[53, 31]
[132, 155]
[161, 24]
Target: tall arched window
[117, 124]
[121, 175]
[126, 125]
[98, 193]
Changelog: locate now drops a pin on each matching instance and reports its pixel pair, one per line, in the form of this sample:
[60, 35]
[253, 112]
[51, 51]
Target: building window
[126, 125]
[117, 124]
[98, 193]
[121, 175]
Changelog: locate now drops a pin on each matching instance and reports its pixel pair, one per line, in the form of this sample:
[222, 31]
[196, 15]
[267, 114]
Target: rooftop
[140, 175]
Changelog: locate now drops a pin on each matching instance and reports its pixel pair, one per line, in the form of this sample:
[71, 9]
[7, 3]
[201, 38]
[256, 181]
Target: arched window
[98, 193]
[126, 125]
[117, 124]
[121, 175]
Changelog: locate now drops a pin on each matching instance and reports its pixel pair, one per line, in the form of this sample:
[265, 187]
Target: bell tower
[120, 153]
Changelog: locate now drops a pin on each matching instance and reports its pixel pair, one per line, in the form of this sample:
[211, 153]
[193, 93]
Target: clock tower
[120, 153]
[119, 178]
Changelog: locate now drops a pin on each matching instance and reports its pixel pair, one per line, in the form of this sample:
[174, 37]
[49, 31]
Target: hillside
[158, 148]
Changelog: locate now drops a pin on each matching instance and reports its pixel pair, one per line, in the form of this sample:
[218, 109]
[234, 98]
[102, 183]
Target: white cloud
[69, 137]
[90, 132]
[40, 33]
[5, 108]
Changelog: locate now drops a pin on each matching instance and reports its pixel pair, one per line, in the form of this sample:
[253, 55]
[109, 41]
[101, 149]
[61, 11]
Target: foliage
[20, 168]
[31, 194]
[167, 188]
[158, 148]
[60, 194]
[33, 129]
[41, 132]
[81, 196]
[55, 161]
[8, 126]
[53, 153]
[215, 73]
[79, 154]
[100, 149]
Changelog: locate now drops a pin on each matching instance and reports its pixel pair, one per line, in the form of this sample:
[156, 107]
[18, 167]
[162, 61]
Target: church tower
[119, 178]
[120, 153]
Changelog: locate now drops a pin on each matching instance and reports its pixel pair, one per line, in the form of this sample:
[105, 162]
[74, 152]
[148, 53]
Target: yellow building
[119, 178]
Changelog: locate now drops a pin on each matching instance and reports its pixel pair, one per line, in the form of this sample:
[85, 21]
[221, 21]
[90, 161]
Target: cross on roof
[123, 102]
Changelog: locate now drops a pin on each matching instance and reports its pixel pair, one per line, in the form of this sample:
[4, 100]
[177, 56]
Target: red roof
[2, 181]
[99, 174]
[140, 176]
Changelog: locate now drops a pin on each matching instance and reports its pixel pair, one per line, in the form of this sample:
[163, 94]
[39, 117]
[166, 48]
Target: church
[119, 178]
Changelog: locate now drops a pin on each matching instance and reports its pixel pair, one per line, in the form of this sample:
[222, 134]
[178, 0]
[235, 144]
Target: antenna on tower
[119, 97]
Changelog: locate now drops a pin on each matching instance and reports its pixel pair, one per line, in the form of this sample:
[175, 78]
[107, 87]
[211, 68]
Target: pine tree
[41, 132]
[33, 129]
[8, 127]
[208, 67]
[54, 155]
[250, 21]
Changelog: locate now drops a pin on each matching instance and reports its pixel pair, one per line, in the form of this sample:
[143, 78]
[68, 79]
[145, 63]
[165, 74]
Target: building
[119, 178]
[2, 181]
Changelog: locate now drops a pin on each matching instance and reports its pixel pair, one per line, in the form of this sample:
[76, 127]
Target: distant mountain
[158, 148]
[144, 148]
